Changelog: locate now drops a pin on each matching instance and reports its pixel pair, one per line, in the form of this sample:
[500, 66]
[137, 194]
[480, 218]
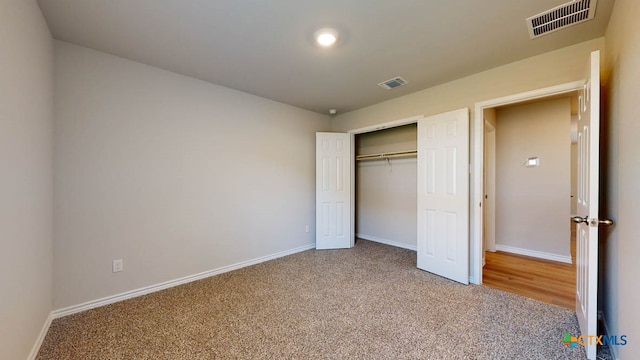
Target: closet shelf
[388, 155]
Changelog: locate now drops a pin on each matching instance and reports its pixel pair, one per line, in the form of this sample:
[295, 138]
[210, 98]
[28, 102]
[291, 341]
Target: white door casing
[478, 162]
[489, 201]
[587, 203]
[334, 225]
[443, 195]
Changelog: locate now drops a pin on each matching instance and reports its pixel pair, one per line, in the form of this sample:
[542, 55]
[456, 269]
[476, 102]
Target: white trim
[534, 253]
[352, 185]
[386, 125]
[43, 333]
[478, 151]
[532, 95]
[490, 212]
[603, 320]
[387, 242]
[171, 283]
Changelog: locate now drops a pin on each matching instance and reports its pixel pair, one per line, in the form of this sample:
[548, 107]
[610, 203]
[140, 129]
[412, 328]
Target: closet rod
[388, 155]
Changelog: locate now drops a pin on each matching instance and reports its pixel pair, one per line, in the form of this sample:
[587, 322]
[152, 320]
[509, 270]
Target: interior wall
[173, 175]
[386, 192]
[533, 203]
[574, 154]
[553, 68]
[490, 117]
[619, 245]
[26, 113]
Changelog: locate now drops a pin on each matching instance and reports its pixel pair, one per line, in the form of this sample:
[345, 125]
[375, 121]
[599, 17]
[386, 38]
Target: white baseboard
[534, 253]
[603, 321]
[43, 333]
[387, 242]
[171, 283]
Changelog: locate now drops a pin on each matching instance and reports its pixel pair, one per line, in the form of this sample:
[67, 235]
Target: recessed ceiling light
[326, 37]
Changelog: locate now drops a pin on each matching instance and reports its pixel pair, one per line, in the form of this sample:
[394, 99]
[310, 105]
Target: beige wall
[386, 192]
[556, 67]
[621, 245]
[490, 117]
[533, 203]
[173, 175]
[26, 101]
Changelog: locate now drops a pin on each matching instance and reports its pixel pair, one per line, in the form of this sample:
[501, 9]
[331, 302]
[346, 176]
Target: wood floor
[549, 281]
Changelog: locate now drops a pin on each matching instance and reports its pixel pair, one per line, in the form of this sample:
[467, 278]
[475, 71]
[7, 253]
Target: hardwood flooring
[549, 281]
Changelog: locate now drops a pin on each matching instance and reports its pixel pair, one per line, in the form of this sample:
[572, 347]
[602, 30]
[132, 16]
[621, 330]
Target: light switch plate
[532, 162]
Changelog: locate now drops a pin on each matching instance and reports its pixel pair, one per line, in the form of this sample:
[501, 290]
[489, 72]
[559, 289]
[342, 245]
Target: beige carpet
[369, 302]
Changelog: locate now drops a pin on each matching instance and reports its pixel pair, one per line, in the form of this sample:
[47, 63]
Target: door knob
[579, 219]
[593, 222]
[607, 222]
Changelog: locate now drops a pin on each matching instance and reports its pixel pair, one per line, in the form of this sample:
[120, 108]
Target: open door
[443, 195]
[587, 204]
[334, 225]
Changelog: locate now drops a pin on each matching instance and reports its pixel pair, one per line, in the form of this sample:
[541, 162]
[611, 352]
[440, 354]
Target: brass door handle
[593, 222]
[607, 222]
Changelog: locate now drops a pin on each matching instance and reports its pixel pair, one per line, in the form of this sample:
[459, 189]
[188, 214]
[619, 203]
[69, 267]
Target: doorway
[477, 197]
[529, 177]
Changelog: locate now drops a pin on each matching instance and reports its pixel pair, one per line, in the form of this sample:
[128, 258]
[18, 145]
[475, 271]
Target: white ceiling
[265, 47]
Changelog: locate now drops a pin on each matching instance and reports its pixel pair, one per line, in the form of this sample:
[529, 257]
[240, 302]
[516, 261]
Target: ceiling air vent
[392, 83]
[568, 14]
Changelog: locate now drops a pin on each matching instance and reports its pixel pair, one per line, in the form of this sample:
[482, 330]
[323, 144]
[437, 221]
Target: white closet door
[334, 225]
[443, 195]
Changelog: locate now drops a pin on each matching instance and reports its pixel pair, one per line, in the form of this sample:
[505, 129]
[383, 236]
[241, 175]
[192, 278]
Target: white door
[334, 225]
[443, 195]
[587, 204]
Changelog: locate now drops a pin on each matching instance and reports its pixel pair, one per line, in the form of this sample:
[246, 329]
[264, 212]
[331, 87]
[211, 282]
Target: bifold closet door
[334, 200]
[443, 195]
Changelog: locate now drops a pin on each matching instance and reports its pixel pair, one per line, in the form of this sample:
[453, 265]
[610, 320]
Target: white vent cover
[393, 83]
[568, 14]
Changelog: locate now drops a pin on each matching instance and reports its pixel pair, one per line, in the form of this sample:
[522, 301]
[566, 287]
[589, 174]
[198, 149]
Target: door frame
[477, 191]
[489, 244]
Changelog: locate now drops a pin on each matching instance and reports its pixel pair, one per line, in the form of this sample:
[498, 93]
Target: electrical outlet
[306, 228]
[117, 265]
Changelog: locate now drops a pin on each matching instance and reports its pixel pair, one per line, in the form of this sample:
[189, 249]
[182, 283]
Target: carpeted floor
[369, 302]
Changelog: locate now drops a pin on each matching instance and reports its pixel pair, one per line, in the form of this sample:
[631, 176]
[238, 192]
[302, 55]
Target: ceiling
[266, 48]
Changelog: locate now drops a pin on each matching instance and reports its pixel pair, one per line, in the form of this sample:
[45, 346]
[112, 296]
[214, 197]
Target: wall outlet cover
[117, 265]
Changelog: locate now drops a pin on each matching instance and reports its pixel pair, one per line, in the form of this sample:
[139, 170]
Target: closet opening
[386, 186]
